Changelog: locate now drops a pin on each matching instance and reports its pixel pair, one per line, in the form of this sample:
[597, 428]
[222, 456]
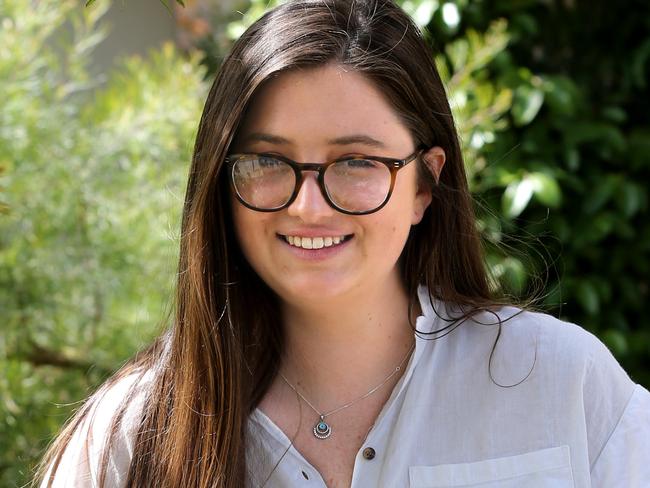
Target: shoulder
[518, 330]
[570, 366]
[558, 346]
[118, 403]
[516, 341]
[542, 354]
[103, 429]
[128, 391]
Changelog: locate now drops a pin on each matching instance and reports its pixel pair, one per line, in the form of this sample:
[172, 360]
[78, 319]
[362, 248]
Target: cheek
[390, 231]
[405, 202]
[249, 228]
[393, 224]
[240, 222]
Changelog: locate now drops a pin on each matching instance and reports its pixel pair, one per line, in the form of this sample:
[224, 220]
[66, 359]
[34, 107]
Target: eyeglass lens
[354, 185]
[263, 182]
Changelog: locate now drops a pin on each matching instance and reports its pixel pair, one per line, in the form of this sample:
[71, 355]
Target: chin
[314, 291]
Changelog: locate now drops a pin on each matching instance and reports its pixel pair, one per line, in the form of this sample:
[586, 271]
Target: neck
[338, 351]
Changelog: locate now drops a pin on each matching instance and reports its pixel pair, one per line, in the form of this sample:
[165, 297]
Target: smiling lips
[314, 242]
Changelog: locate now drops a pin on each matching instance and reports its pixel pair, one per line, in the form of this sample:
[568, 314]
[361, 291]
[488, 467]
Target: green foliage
[253, 11]
[164, 2]
[561, 182]
[88, 235]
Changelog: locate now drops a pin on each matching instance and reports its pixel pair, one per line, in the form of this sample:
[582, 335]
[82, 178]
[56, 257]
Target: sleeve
[81, 460]
[625, 459]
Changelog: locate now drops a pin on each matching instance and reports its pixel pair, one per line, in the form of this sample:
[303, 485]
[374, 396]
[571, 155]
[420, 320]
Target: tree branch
[42, 356]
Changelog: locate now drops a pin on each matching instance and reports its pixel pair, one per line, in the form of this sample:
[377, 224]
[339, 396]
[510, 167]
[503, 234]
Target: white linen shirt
[576, 420]
[553, 410]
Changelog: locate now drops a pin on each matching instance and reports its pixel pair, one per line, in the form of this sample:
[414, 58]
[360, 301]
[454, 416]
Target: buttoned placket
[369, 462]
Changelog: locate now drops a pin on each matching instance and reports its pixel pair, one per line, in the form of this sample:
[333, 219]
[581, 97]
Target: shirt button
[369, 453]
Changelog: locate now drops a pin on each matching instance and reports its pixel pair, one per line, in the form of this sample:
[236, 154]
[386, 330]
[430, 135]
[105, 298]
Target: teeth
[314, 242]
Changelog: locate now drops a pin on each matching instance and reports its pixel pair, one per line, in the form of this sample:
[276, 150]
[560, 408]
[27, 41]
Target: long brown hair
[214, 365]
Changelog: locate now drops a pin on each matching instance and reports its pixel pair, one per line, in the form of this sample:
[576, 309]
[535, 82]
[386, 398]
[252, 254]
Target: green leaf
[572, 158]
[553, 296]
[631, 198]
[600, 193]
[639, 147]
[587, 296]
[639, 64]
[516, 197]
[526, 104]
[546, 189]
[421, 10]
[615, 114]
[606, 136]
[616, 341]
[514, 275]
[561, 95]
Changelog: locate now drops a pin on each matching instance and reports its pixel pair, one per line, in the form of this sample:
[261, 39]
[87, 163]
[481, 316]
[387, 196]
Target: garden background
[551, 102]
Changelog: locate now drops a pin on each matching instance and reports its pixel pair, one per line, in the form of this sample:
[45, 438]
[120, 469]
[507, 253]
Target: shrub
[94, 174]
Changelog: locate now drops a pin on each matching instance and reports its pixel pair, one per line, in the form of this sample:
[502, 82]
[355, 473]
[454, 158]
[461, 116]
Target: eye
[266, 161]
[359, 163]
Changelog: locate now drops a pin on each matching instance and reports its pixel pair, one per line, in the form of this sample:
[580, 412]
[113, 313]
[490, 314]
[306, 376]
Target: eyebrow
[338, 141]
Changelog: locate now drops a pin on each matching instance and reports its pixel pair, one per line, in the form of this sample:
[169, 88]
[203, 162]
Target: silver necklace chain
[322, 429]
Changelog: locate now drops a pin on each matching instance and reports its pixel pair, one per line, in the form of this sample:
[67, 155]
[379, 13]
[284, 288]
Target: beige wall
[135, 27]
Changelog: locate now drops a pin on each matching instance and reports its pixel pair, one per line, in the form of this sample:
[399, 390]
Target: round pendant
[322, 430]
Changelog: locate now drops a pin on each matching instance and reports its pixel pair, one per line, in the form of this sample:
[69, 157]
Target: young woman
[334, 325]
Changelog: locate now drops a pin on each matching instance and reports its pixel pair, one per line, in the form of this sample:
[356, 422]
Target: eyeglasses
[355, 185]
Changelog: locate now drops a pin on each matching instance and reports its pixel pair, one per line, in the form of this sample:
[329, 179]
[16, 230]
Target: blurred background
[99, 105]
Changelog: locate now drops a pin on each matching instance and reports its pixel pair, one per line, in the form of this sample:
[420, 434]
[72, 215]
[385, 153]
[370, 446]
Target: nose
[310, 204]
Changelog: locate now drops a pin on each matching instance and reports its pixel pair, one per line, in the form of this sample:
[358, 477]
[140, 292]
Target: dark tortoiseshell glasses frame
[393, 165]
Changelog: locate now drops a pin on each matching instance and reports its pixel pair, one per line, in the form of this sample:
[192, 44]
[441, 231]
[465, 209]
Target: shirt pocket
[548, 468]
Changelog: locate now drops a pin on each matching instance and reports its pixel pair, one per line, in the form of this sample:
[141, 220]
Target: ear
[434, 160]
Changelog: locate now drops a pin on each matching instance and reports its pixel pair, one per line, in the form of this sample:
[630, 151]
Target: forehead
[316, 105]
